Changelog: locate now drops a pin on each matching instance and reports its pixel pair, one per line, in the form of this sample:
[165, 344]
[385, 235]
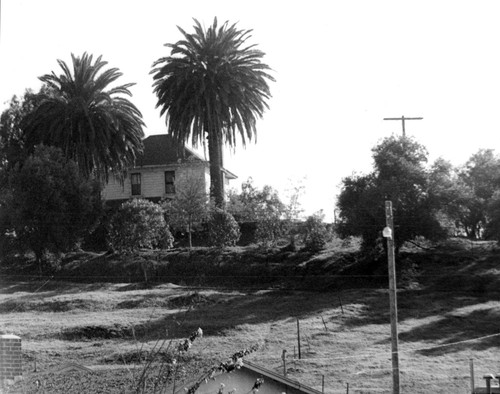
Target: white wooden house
[159, 172]
[242, 381]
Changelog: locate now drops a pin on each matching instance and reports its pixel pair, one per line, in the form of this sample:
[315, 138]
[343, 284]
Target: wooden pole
[283, 356]
[323, 384]
[298, 337]
[326, 328]
[389, 234]
[472, 384]
[340, 302]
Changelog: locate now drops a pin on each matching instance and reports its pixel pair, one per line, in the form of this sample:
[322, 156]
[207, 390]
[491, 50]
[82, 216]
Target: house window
[135, 180]
[169, 182]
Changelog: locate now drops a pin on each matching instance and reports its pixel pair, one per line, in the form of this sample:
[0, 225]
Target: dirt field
[449, 313]
[345, 336]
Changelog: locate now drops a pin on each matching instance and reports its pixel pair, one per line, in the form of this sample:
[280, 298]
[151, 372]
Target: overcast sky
[340, 68]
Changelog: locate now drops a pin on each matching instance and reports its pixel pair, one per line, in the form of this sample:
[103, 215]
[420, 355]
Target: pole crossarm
[402, 119]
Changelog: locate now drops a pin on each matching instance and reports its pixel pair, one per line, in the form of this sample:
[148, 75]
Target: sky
[340, 68]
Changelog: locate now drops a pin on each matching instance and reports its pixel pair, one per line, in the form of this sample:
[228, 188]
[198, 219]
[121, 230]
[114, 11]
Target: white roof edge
[278, 377]
[9, 336]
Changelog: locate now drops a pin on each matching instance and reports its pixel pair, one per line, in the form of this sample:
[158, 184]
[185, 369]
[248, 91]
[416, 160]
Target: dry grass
[345, 335]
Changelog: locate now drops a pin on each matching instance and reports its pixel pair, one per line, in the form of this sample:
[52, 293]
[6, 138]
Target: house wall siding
[153, 181]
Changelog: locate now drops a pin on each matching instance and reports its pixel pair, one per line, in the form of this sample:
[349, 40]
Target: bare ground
[450, 316]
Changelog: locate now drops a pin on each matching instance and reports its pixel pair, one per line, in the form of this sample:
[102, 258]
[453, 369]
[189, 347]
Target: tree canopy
[13, 149]
[50, 205]
[189, 207]
[212, 87]
[399, 175]
[92, 122]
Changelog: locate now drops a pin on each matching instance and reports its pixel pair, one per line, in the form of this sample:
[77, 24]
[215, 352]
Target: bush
[166, 239]
[316, 235]
[269, 230]
[223, 230]
[138, 224]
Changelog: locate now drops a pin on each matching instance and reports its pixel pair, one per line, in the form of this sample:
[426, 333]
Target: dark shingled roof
[161, 150]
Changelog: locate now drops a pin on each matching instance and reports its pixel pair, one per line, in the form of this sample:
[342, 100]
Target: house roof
[260, 370]
[280, 378]
[160, 150]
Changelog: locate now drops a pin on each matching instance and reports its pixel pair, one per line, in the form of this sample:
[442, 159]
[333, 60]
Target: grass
[449, 318]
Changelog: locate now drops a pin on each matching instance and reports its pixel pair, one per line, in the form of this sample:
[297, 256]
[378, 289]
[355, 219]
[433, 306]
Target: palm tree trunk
[216, 177]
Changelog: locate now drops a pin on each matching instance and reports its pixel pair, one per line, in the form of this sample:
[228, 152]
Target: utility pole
[402, 119]
[389, 235]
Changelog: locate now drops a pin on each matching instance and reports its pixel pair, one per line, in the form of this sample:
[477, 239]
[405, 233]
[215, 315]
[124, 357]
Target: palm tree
[212, 87]
[92, 123]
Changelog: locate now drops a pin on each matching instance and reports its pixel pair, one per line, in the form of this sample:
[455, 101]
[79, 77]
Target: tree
[12, 146]
[400, 176]
[493, 211]
[448, 191]
[50, 206]
[12, 136]
[189, 206]
[137, 224]
[90, 121]
[479, 180]
[212, 87]
[262, 206]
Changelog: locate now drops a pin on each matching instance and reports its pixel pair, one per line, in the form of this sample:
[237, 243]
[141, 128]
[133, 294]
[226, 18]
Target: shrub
[166, 239]
[137, 224]
[316, 235]
[223, 230]
[269, 230]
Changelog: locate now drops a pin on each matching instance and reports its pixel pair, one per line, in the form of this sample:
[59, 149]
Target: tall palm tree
[91, 122]
[212, 87]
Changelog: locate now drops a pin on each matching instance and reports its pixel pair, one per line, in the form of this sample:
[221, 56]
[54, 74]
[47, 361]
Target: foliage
[480, 179]
[92, 123]
[293, 208]
[223, 230]
[316, 235]
[50, 205]
[212, 87]
[168, 368]
[138, 224]
[189, 207]
[13, 148]
[493, 211]
[400, 176]
[262, 206]
[467, 193]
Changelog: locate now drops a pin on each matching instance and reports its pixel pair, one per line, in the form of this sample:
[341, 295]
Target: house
[242, 381]
[159, 172]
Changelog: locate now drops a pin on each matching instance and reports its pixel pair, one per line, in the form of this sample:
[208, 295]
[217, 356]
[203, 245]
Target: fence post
[472, 384]
[283, 356]
[488, 382]
[298, 338]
